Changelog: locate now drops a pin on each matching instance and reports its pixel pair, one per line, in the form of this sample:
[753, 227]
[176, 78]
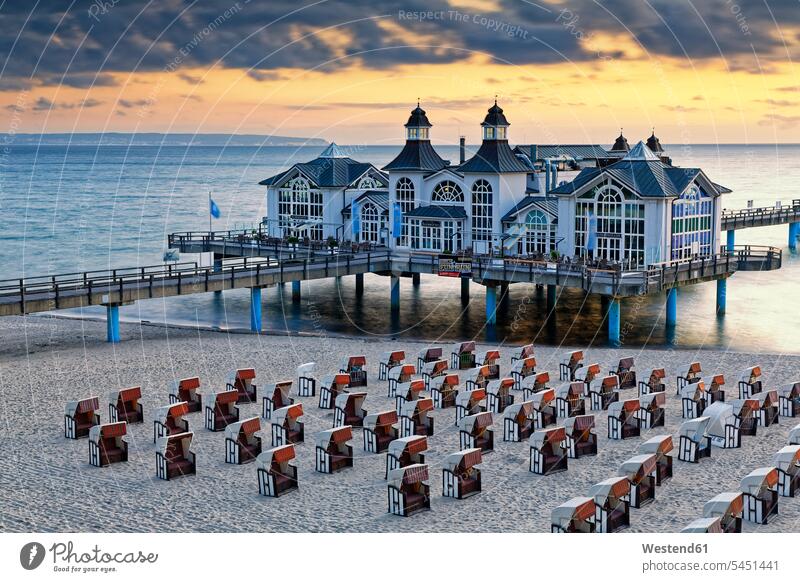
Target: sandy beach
[48, 485]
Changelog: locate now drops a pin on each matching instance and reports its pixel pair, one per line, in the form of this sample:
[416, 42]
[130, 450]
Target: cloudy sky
[701, 71]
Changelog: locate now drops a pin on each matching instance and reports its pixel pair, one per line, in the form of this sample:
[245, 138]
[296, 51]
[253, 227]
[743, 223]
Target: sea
[69, 209]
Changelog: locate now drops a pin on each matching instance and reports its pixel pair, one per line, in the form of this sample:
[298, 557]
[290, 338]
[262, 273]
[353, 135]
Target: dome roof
[654, 144]
[495, 116]
[418, 118]
[621, 144]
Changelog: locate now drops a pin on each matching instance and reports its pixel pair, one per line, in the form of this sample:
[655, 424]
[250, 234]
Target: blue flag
[591, 239]
[397, 223]
[355, 212]
[215, 212]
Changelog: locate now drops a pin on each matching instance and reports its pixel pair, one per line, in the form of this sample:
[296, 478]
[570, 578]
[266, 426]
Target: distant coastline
[159, 139]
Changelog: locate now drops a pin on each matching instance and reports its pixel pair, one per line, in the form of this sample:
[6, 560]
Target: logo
[31, 555]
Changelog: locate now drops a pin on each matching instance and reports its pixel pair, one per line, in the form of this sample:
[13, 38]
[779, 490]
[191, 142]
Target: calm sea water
[79, 208]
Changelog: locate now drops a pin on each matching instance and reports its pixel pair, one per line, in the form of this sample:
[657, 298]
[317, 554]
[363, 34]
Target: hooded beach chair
[490, 358]
[548, 451]
[789, 400]
[475, 431]
[729, 508]
[574, 516]
[760, 491]
[660, 446]
[787, 462]
[443, 390]
[693, 374]
[693, 399]
[571, 362]
[498, 394]
[794, 435]
[704, 525]
[767, 407]
[331, 387]
[401, 374]
[587, 375]
[276, 472]
[623, 419]
[333, 451]
[522, 352]
[603, 395]
[307, 379]
[416, 417]
[570, 400]
[124, 405]
[581, 438]
[469, 402]
[433, 370]
[409, 490]
[626, 373]
[750, 382]
[651, 410]
[242, 445]
[186, 390]
[693, 442]
[461, 477]
[174, 457]
[221, 409]
[642, 472]
[243, 382]
[544, 408]
[521, 369]
[713, 389]
[169, 420]
[80, 416]
[655, 383]
[408, 392]
[518, 422]
[379, 430]
[349, 409]
[463, 356]
[747, 412]
[427, 355]
[107, 445]
[388, 361]
[612, 504]
[723, 427]
[406, 451]
[277, 396]
[477, 377]
[287, 425]
[356, 368]
[536, 383]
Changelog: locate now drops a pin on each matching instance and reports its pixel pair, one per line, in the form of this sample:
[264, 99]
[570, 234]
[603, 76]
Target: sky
[565, 71]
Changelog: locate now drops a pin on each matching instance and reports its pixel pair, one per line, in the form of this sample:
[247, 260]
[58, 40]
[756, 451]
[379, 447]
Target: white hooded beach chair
[723, 427]
[356, 368]
[427, 355]
[612, 504]
[490, 358]
[80, 416]
[574, 516]
[463, 356]
[277, 396]
[794, 435]
[750, 382]
[242, 443]
[174, 456]
[623, 419]
[587, 375]
[186, 390]
[498, 394]
[603, 395]
[693, 399]
[787, 462]
[333, 450]
[767, 407]
[461, 477]
[655, 383]
[704, 525]
[469, 402]
[518, 422]
[331, 387]
[406, 451]
[287, 425]
[536, 383]
[416, 417]
[275, 471]
[626, 372]
[729, 508]
[433, 370]
[521, 369]
[388, 361]
[660, 446]
[221, 409]
[713, 389]
[242, 381]
[522, 352]
[580, 435]
[571, 362]
[379, 430]
[409, 490]
[169, 420]
[760, 492]
[443, 390]
[570, 400]
[124, 405]
[693, 373]
[747, 412]
[349, 409]
[107, 445]
[651, 410]
[642, 472]
[693, 442]
[408, 392]
[475, 431]
[544, 408]
[548, 451]
[789, 400]
[307, 380]
[477, 377]
[401, 374]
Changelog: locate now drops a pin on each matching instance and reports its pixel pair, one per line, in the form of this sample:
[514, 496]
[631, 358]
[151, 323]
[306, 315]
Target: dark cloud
[780, 121]
[44, 104]
[191, 79]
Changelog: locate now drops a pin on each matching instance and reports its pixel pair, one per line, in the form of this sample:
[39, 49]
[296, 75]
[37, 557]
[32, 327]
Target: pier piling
[295, 291]
[722, 293]
[112, 323]
[551, 298]
[491, 305]
[614, 321]
[731, 240]
[672, 306]
[464, 290]
[255, 309]
[394, 291]
[794, 232]
[359, 285]
[415, 277]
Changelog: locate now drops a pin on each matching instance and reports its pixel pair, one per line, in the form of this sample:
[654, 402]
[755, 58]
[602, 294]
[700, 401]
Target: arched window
[300, 209]
[537, 233]
[404, 194]
[447, 192]
[481, 211]
[692, 220]
[370, 223]
[612, 222]
[368, 183]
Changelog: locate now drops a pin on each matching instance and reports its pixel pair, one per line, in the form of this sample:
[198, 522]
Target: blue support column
[731, 239]
[359, 285]
[613, 321]
[551, 297]
[464, 290]
[722, 294]
[415, 279]
[295, 291]
[112, 323]
[217, 267]
[394, 291]
[255, 309]
[672, 307]
[491, 305]
[794, 231]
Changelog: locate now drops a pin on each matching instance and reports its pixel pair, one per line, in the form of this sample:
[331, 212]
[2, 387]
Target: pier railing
[764, 216]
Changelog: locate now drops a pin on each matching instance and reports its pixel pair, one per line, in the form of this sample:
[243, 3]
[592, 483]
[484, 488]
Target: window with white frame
[370, 223]
[368, 183]
[300, 209]
[481, 211]
[447, 192]
[692, 224]
[404, 194]
[539, 235]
